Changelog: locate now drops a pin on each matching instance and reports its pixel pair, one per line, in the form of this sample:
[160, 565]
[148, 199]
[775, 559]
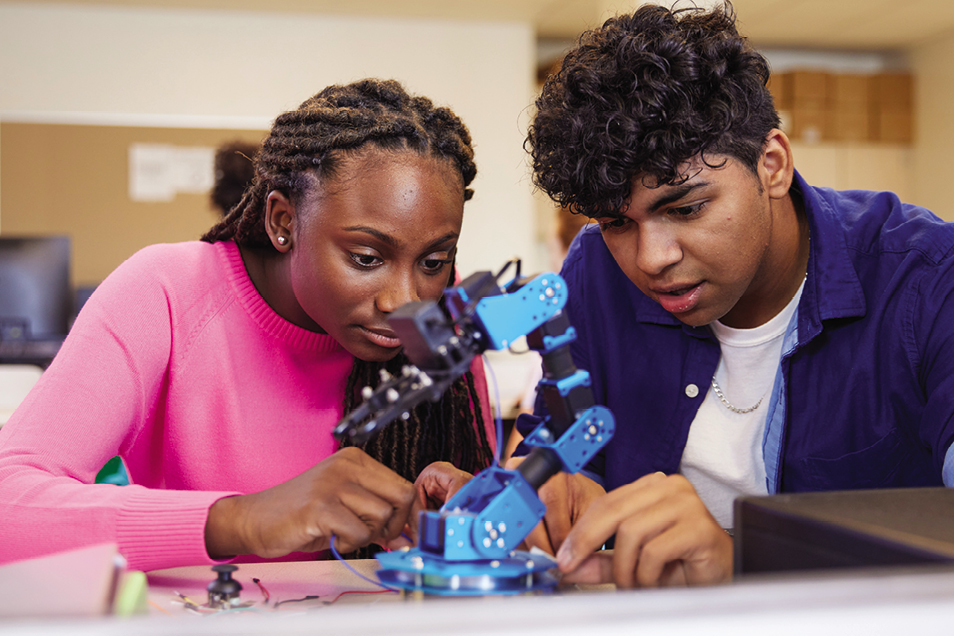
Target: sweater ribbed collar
[261, 313]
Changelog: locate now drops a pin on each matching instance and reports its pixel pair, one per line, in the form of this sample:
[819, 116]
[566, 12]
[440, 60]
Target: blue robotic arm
[469, 546]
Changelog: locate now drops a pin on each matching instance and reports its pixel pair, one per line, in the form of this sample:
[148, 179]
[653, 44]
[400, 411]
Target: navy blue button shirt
[864, 394]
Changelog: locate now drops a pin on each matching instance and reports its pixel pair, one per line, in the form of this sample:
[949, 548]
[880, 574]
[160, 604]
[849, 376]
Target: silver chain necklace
[718, 390]
[728, 405]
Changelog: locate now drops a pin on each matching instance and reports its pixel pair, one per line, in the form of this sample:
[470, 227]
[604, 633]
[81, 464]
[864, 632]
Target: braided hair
[315, 138]
[313, 141]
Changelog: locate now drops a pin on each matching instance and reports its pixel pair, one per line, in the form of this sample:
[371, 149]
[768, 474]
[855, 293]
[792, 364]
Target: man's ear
[279, 220]
[777, 167]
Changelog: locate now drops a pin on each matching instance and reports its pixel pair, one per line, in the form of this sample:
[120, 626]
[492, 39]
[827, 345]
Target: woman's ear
[777, 167]
[279, 220]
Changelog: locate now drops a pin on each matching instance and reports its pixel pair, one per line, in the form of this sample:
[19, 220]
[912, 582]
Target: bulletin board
[74, 180]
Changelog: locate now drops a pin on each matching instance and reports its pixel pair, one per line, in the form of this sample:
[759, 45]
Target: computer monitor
[36, 296]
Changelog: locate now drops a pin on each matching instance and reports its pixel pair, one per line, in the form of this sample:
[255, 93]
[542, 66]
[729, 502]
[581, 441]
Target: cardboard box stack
[893, 120]
[810, 113]
[850, 107]
[817, 106]
[780, 86]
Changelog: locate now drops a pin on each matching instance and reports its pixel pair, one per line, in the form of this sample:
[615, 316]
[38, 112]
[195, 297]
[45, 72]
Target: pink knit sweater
[177, 364]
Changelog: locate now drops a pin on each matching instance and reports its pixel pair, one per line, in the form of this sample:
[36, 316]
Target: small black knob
[224, 590]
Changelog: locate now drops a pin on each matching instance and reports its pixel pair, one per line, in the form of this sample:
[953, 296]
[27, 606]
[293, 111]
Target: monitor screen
[36, 296]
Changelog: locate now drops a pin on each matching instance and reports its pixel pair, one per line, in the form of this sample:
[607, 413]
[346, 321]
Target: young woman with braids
[218, 368]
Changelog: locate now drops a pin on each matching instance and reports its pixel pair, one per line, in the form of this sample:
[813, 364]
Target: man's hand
[348, 495]
[566, 498]
[664, 536]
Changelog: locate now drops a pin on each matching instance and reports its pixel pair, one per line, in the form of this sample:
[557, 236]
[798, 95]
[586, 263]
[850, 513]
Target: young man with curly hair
[753, 334]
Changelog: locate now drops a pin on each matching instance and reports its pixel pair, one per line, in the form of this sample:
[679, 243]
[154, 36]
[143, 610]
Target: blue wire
[334, 551]
[498, 420]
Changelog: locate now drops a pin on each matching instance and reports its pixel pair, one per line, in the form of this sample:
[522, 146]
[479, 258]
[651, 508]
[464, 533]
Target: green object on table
[113, 473]
[132, 595]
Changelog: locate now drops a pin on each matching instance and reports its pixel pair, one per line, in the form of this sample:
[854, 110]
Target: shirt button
[692, 390]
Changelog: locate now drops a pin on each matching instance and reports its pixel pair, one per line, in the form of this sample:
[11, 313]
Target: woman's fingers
[440, 481]
[349, 495]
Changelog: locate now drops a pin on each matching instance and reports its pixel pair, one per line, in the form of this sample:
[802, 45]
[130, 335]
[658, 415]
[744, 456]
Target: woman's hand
[664, 536]
[348, 495]
[438, 483]
[435, 485]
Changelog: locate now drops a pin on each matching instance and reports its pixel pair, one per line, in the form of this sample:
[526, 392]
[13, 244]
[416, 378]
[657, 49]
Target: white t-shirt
[723, 455]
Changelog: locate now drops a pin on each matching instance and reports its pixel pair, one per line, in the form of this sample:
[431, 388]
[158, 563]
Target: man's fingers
[704, 554]
[538, 538]
[664, 536]
[630, 537]
[557, 521]
[602, 519]
[595, 569]
[583, 491]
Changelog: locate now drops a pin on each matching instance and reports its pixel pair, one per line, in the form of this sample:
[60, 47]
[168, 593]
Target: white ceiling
[842, 24]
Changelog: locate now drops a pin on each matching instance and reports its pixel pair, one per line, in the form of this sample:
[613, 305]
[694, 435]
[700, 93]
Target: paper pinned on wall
[157, 172]
[150, 168]
[194, 169]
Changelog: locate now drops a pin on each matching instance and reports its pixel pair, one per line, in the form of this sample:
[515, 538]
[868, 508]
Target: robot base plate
[413, 570]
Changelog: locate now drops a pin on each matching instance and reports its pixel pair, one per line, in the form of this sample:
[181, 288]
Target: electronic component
[224, 590]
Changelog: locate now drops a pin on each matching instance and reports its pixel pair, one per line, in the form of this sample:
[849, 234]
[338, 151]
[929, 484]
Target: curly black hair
[314, 140]
[642, 95]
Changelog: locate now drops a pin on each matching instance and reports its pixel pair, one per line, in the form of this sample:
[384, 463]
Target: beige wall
[858, 166]
[933, 65]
